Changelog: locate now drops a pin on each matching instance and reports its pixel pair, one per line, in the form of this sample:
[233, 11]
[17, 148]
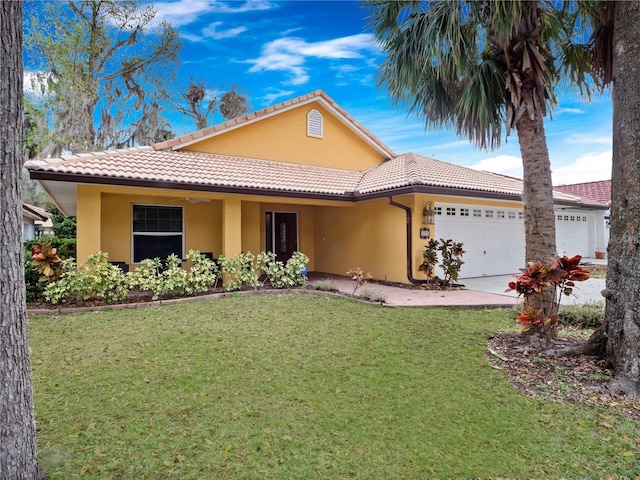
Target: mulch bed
[581, 379]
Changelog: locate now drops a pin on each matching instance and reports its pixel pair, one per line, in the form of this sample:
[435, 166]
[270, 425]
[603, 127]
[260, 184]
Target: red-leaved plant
[45, 259]
[359, 277]
[541, 281]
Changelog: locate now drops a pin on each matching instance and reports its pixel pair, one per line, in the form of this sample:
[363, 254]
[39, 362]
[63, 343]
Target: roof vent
[315, 126]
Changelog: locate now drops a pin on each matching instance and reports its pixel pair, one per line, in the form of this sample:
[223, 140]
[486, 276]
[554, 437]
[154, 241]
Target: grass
[300, 387]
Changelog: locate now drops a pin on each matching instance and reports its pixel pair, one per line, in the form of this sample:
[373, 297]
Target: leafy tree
[103, 75]
[63, 226]
[200, 104]
[18, 459]
[479, 66]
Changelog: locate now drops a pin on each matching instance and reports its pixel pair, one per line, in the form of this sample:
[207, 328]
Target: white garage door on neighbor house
[574, 233]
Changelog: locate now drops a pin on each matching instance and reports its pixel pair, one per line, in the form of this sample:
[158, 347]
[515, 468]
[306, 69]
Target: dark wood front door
[281, 230]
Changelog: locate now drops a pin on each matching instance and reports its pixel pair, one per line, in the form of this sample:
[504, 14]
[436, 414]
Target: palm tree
[482, 65]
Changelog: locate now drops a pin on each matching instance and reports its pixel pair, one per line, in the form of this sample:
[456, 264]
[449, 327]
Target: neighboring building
[597, 193]
[301, 175]
[31, 215]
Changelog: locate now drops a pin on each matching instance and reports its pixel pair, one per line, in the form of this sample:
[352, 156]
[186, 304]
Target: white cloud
[503, 164]
[561, 110]
[290, 54]
[184, 12]
[212, 31]
[583, 139]
[590, 167]
[270, 98]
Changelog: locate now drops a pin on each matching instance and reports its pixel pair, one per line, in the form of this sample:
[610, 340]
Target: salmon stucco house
[301, 175]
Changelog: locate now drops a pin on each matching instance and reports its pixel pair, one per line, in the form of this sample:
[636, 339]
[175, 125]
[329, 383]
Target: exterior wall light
[428, 214]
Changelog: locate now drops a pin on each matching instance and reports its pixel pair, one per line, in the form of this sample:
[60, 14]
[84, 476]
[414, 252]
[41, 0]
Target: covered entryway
[493, 237]
[281, 234]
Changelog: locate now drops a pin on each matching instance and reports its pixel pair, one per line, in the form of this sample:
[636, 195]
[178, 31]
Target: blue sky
[276, 50]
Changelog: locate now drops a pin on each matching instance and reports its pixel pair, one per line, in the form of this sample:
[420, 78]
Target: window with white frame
[477, 212]
[451, 211]
[464, 212]
[438, 210]
[512, 215]
[500, 214]
[158, 231]
[488, 213]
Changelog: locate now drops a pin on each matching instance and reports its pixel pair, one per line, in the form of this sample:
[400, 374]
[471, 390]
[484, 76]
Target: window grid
[451, 211]
[488, 213]
[500, 213]
[464, 212]
[477, 213]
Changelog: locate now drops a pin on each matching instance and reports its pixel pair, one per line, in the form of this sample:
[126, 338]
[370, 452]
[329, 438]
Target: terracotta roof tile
[211, 170]
[598, 193]
[262, 176]
[411, 169]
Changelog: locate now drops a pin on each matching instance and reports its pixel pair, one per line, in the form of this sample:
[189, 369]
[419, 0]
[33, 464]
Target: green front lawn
[301, 387]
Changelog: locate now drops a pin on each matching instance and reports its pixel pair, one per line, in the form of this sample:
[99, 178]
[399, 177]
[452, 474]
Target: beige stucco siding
[284, 138]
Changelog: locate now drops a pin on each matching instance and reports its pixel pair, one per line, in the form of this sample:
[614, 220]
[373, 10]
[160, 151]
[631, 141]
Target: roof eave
[129, 182]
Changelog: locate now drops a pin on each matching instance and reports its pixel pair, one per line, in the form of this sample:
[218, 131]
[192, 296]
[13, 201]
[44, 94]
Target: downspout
[407, 210]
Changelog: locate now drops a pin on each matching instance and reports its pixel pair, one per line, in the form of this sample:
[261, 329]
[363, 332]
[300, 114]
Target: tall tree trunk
[537, 190]
[622, 313]
[537, 194]
[17, 424]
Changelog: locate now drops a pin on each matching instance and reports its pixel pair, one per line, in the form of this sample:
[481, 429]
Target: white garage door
[572, 233]
[493, 238]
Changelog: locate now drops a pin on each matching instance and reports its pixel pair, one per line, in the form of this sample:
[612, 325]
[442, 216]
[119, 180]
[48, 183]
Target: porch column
[231, 227]
[88, 217]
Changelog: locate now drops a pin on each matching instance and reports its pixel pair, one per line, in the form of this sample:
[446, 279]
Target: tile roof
[36, 213]
[317, 95]
[205, 170]
[415, 170]
[598, 193]
[212, 172]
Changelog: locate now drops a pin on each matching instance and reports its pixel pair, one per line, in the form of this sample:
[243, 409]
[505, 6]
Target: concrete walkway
[478, 292]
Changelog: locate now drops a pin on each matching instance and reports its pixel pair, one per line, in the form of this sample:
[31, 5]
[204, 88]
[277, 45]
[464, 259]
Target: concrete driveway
[583, 292]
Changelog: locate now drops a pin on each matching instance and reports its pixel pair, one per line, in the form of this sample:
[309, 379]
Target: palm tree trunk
[537, 195]
[622, 313]
[537, 190]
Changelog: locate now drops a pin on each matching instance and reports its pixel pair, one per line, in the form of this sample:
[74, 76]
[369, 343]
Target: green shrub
[203, 273]
[279, 274]
[451, 253]
[326, 285]
[373, 296]
[35, 288]
[168, 278]
[239, 270]
[589, 315]
[65, 247]
[96, 279]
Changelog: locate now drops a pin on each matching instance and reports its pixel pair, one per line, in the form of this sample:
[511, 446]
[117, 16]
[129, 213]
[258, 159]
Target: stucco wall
[283, 138]
[370, 235]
